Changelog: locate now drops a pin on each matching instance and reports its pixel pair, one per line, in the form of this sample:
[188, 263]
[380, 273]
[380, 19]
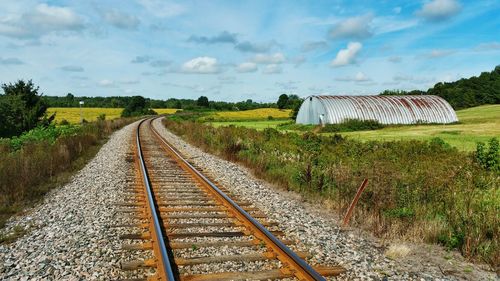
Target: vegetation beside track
[417, 190]
[477, 124]
[44, 158]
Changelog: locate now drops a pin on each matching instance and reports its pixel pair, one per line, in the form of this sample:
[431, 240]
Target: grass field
[72, 114]
[259, 125]
[476, 124]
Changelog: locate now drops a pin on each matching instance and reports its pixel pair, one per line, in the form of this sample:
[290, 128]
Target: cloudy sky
[238, 50]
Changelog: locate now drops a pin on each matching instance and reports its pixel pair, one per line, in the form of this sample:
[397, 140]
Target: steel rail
[164, 267]
[284, 254]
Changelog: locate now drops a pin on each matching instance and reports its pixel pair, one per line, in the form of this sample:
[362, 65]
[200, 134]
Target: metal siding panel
[385, 109]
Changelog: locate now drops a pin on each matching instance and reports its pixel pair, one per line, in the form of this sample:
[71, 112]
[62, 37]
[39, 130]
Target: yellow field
[165, 110]
[253, 114]
[72, 114]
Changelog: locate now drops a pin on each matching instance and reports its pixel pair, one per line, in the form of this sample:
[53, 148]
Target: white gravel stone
[70, 234]
[315, 230]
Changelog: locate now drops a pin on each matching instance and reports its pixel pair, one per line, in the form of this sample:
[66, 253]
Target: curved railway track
[196, 231]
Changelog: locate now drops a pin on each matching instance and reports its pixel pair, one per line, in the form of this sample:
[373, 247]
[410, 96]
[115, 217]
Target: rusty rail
[163, 265]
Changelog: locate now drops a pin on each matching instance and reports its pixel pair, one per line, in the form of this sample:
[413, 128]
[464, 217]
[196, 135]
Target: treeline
[121, 102]
[464, 93]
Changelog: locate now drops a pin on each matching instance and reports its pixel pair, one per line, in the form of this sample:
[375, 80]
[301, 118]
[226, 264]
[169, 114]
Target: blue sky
[238, 50]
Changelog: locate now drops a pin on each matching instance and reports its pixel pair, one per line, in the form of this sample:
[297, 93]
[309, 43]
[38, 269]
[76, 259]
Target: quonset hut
[384, 109]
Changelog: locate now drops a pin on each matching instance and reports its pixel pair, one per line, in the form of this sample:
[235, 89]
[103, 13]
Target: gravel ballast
[70, 235]
[319, 233]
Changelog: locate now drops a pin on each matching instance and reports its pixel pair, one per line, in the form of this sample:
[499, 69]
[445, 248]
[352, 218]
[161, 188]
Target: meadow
[476, 124]
[253, 115]
[72, 114]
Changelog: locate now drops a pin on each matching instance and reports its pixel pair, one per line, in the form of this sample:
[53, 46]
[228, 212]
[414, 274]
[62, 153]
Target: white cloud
[348, 55]
[162, 8]
[402, 77]
[141, 59]
[10, 61]
[72, 68]
[272, 69]
[359, 77]
[42, 20]
[276, 58]
[436, 54]
[395, 59]
[246, 67]
[354, 28]
[53, 18]
[250, 47]
[438, 10]
[121, 20]
[397, 10]
[314, 45]
[106, 83]
[130, 82]
[492, 46]
[201, 65]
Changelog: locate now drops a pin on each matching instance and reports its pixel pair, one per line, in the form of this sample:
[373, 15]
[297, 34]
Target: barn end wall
[384, 109]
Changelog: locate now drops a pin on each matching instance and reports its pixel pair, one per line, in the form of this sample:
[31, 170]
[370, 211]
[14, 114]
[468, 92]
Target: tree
[294, 103]
[22, 109]
[137, 106]
[202, 101]
[282, 101]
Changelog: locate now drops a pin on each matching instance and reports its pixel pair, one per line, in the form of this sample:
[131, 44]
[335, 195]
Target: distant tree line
[121, 102]
[464, 93]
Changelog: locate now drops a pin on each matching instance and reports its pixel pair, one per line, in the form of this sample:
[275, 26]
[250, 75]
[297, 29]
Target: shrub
[488, 158]
[64, 122]
[350, 125]
[101, 117]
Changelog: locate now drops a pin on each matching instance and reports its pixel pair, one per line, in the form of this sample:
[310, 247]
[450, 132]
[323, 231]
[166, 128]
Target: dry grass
[397, 251]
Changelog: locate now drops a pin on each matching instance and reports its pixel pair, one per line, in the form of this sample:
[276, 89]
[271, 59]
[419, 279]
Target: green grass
[476, 124]
[259, 125]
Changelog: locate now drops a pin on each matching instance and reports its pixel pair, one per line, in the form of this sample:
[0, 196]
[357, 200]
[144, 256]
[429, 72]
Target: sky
[239, 50]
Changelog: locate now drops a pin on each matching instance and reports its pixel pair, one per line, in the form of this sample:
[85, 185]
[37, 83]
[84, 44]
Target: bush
[488, 158]
[101, 117]
[64, 122]
[351, 125]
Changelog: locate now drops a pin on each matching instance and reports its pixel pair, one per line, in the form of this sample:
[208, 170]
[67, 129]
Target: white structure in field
[384, 109]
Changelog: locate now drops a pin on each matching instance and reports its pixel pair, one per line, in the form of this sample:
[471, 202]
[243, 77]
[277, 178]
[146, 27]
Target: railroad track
[195, 231]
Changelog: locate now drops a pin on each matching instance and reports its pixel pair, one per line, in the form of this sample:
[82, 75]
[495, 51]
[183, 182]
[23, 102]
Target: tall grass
[417, 190]
[29, 162]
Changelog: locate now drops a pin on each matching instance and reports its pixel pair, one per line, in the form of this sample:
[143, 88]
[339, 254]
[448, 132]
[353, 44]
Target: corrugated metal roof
[385, 109]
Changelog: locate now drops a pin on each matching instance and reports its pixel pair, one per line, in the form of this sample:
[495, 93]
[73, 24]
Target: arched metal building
[384, 109]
